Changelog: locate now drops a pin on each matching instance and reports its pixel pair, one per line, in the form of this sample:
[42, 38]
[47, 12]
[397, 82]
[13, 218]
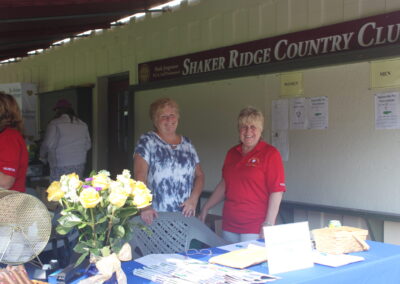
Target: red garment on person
[249, 181]
[14, 157]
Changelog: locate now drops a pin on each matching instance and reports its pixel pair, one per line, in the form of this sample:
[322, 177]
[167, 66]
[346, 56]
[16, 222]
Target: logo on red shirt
[253, 162]
[9, 169]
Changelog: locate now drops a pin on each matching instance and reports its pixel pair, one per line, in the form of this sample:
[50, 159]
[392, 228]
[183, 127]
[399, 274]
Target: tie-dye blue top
[171, 171]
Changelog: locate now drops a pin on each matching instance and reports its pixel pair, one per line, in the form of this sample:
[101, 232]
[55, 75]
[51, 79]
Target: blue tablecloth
[381, 265]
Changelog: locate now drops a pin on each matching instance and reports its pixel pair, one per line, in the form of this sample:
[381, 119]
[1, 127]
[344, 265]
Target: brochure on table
[174, 269]
[288, 247]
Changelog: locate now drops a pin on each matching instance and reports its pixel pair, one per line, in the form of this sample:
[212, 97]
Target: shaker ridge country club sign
[352, 35]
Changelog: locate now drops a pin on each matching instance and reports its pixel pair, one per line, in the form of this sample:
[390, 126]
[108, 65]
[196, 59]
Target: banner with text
[352, 35]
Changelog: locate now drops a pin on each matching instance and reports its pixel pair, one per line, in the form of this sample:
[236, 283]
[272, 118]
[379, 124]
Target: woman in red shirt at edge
[13, 152]
[252, 183]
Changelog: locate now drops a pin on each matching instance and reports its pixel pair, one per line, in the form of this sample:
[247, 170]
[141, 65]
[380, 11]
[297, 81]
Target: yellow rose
[142, 199]
[117, 198]
[73, 181]
[101, 180]
[139, 188]
[129, 187]
[89, 197]
[54, 191]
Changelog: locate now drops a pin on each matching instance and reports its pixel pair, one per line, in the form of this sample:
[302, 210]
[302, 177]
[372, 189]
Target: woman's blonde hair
[159, 104]
[10, 114]
[250, 115]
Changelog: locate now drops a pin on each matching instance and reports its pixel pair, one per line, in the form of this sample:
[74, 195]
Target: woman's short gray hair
[250, 115]
[159, 104]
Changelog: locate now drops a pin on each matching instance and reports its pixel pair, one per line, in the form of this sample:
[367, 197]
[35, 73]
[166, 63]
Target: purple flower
[96, 188]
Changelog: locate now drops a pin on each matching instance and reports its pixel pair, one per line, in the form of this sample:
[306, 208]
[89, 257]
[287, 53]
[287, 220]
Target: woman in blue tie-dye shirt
[168, 163]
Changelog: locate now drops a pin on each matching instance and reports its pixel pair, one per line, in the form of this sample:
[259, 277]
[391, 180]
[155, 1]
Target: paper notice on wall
[280, 114]
[26, 96]
[298, 113]
[280, 140]
[292, 84]
[385, 73]
[318, 112]
[387, 111]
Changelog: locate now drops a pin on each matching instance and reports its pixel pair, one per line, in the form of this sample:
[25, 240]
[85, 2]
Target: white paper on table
[155, 259]
[241, 245]
[288, 247]
[191, 270]
[335, 260]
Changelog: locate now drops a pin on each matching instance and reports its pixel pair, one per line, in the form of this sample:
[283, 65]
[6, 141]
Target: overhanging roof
[27, 25]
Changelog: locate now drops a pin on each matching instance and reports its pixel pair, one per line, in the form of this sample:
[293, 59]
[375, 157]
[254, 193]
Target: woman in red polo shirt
[13, 152]
[252, 183]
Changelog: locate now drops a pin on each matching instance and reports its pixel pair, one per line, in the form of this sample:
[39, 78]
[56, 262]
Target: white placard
[26, 96]
[298, 113]
[280, 140]
[288, 247]
[280, 114]
[318, 113]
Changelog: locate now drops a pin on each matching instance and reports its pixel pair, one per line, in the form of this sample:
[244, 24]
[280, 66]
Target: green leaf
[102, 220]
[67, 210]
[105, 251]
[81, 247]
[81, 258]
[116, 247]
[69, 220]
[63, 230]
[115, 220]
[101, 228]
[86, 233]
[126, 212]
[118, 231]
[81, 226]
[95, 251]
[101, 237]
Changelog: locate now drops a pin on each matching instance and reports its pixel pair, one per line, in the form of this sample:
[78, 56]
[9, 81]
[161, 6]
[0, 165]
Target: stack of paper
[241, 258]
[335, 260]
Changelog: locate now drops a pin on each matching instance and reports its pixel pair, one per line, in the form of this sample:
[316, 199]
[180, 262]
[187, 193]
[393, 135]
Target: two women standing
[252, 181]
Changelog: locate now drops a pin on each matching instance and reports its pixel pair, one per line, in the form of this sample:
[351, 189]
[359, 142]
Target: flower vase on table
[93, 271]
[101, 209]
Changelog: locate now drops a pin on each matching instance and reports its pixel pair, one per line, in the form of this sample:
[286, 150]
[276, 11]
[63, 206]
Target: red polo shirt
[13, 157]
[249, 181]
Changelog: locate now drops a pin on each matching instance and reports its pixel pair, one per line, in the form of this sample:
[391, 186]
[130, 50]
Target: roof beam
[69, 17]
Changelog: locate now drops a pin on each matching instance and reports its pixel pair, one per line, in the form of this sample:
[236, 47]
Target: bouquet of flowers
[100, 209]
